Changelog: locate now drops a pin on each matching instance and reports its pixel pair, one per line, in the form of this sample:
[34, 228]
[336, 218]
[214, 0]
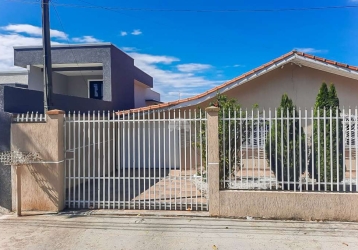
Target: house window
[95, 89]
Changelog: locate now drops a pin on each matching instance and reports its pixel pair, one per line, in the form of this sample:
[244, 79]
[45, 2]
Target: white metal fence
[297, 150]
[146, 160]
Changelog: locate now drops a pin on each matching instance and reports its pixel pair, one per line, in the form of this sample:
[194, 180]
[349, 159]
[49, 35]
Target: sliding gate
[151, 160]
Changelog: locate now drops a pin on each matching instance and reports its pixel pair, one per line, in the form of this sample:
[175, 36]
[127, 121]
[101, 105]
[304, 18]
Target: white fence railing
[146, 160]
[297, 150]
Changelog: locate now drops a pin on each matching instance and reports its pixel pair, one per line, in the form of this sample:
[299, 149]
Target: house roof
[296, 57]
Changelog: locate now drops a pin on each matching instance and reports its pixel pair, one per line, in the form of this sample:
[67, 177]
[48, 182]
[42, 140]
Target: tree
[227, 155]
[325, 157]
[287, 154]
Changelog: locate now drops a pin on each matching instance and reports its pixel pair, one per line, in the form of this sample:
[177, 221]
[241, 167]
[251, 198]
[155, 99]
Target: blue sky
[189, 52]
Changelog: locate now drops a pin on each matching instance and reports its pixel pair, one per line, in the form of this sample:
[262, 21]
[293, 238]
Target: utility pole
[46, 43]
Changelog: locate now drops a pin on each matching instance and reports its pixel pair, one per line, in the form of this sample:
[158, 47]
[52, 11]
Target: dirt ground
[95, 230]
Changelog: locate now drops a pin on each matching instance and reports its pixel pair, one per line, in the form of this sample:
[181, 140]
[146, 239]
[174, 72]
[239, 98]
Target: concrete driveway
[118, 231]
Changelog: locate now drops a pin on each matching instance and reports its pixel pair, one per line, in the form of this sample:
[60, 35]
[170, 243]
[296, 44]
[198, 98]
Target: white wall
[78, 85]
[139, 95]
[13, 78]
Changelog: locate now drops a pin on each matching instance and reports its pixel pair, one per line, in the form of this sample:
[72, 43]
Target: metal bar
[319, 148]
[325, 149]
[133, 161]
[294, 147]
[229, 150]
[224, 153]
[180, 165]
[258, 145]
[79, 160]
[276, 149]
[241, 131]
[119, 138]
[191, 160]
[164, 197]
[355, 145]
[123, 153]
[288, 147]
[201, 155]
[139, 141]
[263, 136]
[312, 151]
[170, 161]
[300, 146]
[282, 152]
[98, 160]
[306, 149]
[185, 164]
[149, 162]
[337, 144]
[104, 158]
[84, 157]
[350, 149]
[128, 167]
[331, 147]
[247, 149]
[196, 159]
[252, 145]
[154, 162]
[270, 147]
[344, 148]
[113, 151]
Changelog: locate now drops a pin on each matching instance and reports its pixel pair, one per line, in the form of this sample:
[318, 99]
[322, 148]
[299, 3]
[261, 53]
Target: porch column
[213, 160]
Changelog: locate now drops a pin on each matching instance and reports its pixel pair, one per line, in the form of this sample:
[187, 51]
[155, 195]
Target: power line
[113, 8]
[68, 41]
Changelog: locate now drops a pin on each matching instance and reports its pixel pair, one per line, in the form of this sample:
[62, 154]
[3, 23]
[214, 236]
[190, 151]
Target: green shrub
[284, 166]
[327, 99]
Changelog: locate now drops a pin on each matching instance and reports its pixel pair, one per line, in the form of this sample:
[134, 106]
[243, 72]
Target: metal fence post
[213, 160]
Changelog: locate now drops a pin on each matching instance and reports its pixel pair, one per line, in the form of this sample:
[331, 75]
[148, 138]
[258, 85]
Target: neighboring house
[86, 77]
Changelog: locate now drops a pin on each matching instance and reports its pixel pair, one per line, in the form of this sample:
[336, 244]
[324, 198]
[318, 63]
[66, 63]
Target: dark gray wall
[18, 100]
[5, 171]
[119, 71]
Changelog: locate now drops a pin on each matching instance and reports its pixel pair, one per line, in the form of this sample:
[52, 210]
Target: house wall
[78, 85]
[71, 55]
[300, 83]
[13, 78]
[59, 82]
[139, 95]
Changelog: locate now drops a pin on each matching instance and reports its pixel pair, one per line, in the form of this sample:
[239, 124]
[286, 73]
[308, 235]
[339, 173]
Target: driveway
[114, 231]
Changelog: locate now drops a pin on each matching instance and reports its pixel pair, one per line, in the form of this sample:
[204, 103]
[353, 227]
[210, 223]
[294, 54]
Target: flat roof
[14, 72]
[67, 45]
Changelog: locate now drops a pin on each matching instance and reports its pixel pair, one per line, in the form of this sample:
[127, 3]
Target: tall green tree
[326, 156]
[286, 159]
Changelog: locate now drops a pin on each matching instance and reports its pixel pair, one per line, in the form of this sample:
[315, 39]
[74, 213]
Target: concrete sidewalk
[81, 231]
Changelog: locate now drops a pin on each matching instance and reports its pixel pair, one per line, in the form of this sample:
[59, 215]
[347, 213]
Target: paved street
[118, 231]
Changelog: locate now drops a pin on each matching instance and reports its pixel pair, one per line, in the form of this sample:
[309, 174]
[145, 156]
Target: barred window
[350, 127]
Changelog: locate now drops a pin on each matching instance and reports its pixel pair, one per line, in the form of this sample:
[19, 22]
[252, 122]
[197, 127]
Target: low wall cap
[212, 108]
[55, 112]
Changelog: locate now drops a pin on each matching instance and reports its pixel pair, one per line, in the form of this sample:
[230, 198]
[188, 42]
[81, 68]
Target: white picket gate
[146, 160]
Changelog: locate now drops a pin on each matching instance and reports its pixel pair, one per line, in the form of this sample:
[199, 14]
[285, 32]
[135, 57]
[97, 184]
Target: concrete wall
[139, 95]
[78, 85]
[60, 82]
[5, 171]
[18, 100]
[300, 83]
[289, 205]
[13, 77]
[42, 184]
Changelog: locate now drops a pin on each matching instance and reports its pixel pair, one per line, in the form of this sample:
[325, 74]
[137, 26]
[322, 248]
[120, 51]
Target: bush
[286, 170]
[326, 100]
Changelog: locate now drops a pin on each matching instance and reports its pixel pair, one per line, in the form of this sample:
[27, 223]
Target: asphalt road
[83, 231]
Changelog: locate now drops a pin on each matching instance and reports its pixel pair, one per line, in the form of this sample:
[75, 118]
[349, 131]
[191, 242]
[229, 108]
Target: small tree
[227, 155]
[326, 102]
[286, 143]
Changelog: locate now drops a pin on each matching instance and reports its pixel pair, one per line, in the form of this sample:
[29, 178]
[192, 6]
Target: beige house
[297, 74]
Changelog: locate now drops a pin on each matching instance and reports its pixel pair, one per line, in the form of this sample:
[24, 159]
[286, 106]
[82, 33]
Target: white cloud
[193, 67]
[136, 32]
[129, 49]
[33, 30]
[8, 41]
[86, 39]
[353, 1]
[168, 82]
[311, 50]
[238, 65]
[124, 33]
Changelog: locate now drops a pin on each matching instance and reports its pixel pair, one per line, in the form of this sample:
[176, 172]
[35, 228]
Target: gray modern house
[86, 77]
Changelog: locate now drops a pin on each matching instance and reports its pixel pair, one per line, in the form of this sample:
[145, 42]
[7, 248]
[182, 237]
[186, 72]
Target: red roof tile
[168, 104]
